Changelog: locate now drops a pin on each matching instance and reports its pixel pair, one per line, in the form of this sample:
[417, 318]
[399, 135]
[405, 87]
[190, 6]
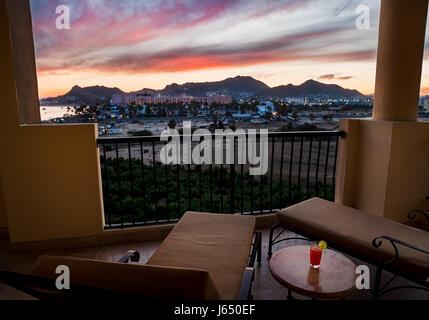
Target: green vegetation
[172, 124]
[132, 194]
[303, 127]
[140, 133]
[327, 117]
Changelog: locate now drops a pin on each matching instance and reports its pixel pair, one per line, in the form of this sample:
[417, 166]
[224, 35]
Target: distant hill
[88, 95]
[145, 91]
[311, 88]
[239, 86]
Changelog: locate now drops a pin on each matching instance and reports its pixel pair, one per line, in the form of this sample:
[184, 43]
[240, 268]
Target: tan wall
[3, 218]
[23, 61]
[383, 163]
[7, 92]
[50, 174]
[52, 184]
[347, 163]
[383, 166]
[408, 183]
[401, 39]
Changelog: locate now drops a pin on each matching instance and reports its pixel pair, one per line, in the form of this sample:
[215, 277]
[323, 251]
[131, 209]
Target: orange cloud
[424, 91]
[327, 76]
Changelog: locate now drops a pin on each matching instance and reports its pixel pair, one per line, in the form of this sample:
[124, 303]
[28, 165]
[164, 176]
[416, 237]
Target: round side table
[334, 279]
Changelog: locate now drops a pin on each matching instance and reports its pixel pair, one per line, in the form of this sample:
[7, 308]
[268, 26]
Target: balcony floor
[264, 286]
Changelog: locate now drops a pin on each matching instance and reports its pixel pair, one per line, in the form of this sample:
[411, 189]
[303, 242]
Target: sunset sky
[133, 44]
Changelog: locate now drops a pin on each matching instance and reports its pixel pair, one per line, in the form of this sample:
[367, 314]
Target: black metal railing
[139, 189]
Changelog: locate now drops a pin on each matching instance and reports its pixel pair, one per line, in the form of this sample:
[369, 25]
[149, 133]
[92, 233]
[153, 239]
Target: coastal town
[148, 115]
[240, 102]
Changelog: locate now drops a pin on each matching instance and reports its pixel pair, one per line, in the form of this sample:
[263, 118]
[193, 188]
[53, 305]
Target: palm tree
[172, 124]
[295, 116]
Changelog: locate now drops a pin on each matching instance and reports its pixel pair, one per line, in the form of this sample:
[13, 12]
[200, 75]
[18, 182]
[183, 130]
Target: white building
[114, 131]
[296, 100]
[424, 102]
[264, 107]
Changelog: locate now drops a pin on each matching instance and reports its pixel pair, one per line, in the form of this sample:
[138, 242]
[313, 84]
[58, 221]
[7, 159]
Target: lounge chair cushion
[218, 243]
[149, 281]
[354, 230]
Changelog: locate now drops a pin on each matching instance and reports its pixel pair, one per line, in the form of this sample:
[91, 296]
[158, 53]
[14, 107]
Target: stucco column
[399, 59]
[382, 163]
[50, 175]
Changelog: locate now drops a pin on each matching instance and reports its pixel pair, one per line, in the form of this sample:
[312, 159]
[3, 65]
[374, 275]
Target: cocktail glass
[315, 256]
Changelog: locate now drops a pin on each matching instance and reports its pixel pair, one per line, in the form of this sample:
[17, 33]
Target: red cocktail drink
[315, 256]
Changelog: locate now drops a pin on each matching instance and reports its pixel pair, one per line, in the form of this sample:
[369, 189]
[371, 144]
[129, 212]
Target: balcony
[65, 191]
[264, 285]
[301, 165]
[140, 190]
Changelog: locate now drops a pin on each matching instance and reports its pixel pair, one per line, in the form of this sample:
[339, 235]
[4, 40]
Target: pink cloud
[331, 76]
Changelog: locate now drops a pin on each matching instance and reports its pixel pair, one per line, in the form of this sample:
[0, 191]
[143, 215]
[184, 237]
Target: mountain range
[240, 86]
